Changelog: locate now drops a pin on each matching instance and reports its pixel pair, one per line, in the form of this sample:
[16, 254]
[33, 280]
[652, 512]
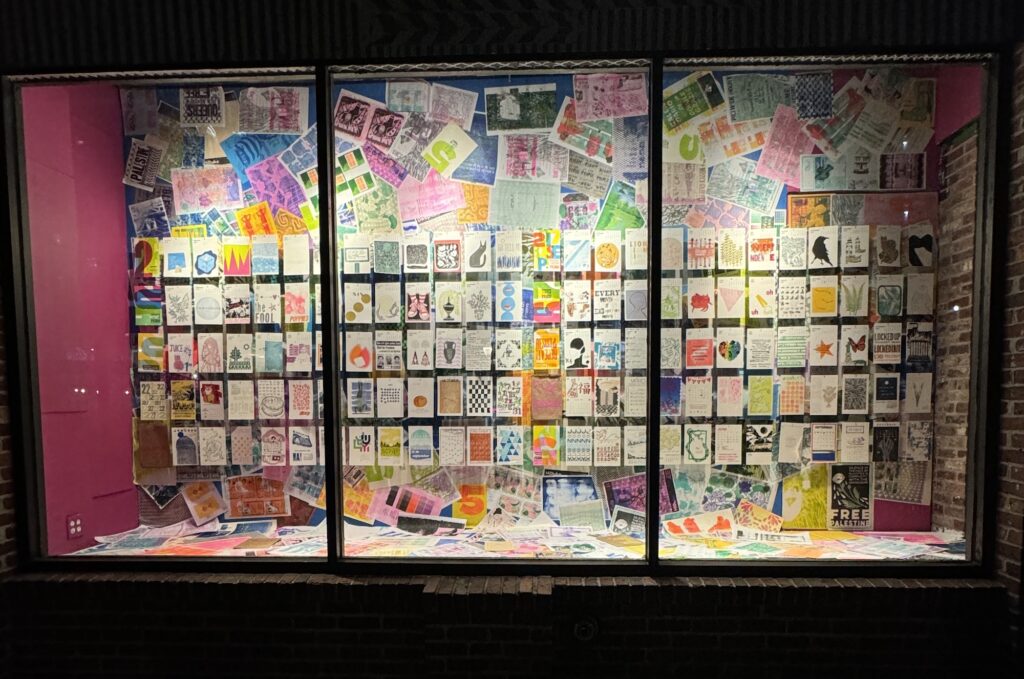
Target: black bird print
[820, 251]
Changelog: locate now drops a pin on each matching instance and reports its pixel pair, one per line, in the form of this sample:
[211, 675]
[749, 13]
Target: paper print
[607, 299]
[671, 393]
[918, 393]
[919, 246]
[761, 251]
[698, 396]
[479, 445]
[760, 396]
[700, 299]
[636, 349]
[607, 446]
[212, 446]
[920, 294]
[731, 293]
[822, 248]
[886, 394]
[793, 249]
[138, 110]
[889, 295]
[759, 442]
[448, 348]
[729, 396]
[824, 299]
[607, 349]
[736, 181]
[202, 499]
[449, 149]
[791, 346]
[359, 394]
[792, 297]
[750, 515]
[201, 106]
[152, 401]
[699, 348]
[919, 343]
[451, 105]
[824, 394]
[177, 254]
[200, 189]
[143, 164]
[886, 343]
[762, 301]
[671, 349]
[697, 444]
[390, 447]
[620, 209]
[729, 348]
[180, 352]
[694, 96]
[760, 348]
[522, 109]
[732, 249]
[784, 146]
[546, 446]
[824, 345]
[183, 401]
[417, 302]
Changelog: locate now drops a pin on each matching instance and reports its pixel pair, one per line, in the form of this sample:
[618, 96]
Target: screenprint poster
[139, 110]
[199, 190]
[273, 110]
[831, 133]
[592, 139]
[525, 109]
[849, 497]
[786, 142]
[694, 96]
[201, 106]
[736, 181]
[610, 95]
[754, 96]
[143, 164]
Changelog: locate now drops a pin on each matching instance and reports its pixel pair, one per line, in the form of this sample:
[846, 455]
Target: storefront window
[815, 289]
[174, 276]
[494, 314]
[816, 316]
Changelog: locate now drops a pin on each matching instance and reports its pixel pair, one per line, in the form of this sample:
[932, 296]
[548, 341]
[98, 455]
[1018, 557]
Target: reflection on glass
[494, 312]
[799, 256]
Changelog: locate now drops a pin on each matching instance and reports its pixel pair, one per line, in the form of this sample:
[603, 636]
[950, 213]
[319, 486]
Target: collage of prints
[494, 335]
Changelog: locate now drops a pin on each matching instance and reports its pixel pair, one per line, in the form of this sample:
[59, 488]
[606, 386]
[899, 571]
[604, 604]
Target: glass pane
[174, 237]
[801, 345]
[494, 314]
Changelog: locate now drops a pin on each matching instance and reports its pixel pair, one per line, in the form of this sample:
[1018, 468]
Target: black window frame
[992, 186]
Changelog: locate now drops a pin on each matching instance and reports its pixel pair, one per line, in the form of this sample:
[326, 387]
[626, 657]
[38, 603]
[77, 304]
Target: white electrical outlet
[74, 526]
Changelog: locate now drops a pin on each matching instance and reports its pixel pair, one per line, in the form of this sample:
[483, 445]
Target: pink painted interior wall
[957, 98]
[76, 209]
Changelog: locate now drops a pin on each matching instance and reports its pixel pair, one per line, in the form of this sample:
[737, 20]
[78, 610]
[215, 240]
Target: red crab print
[700, 302]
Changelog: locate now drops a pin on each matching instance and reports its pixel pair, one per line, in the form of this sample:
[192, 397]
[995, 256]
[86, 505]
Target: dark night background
[804, 623]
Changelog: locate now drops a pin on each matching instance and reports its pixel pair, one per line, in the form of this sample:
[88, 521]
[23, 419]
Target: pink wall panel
[73, 150]
[957, 98]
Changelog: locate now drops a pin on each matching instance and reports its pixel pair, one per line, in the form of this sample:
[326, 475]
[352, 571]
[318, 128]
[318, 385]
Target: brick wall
[955, 234]
[273, 626]
[1010, 502]
[7, 544]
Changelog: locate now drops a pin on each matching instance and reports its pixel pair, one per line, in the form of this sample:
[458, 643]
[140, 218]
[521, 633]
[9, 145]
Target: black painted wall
[60, 35]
